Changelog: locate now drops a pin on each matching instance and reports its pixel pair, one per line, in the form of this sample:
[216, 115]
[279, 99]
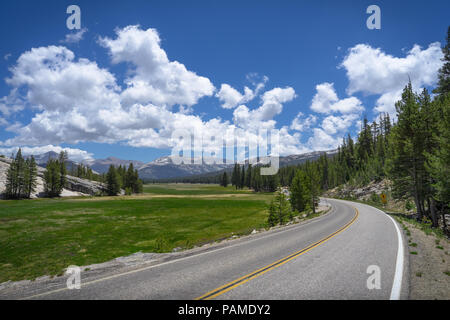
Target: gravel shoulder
[429, 262]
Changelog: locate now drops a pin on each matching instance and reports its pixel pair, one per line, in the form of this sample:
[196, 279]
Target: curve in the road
[235, 283]
[335, 269]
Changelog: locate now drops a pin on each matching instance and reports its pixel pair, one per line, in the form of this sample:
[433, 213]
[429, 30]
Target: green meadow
[44, 236]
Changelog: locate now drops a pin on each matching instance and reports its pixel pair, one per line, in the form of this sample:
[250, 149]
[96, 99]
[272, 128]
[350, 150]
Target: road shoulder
[429, 261]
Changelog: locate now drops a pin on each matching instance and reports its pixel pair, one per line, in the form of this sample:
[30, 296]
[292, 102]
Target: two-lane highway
[327, 258]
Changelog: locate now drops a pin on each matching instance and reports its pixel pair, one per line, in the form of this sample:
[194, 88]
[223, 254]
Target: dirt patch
[429, 264]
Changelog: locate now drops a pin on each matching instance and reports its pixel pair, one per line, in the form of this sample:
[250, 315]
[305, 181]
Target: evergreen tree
[52, 178]
[242, 180]
[112, 181]
[406, 161]
[236, 176]
[300, 192]
[248, 178]
[16, 177]
[272, 219]
[224, 182]
[314, 184]
[20, 175]
[279, 209]
[63, 157]
[30, 176]
[439, 159]
[444, 73]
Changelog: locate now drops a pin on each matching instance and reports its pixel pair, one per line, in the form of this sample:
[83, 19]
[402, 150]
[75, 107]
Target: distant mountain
[164, 168]
[42, 159]
[300, 158]
[102, 165]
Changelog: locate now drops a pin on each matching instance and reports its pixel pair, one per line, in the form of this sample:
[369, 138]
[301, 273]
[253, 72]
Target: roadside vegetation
[413, 153]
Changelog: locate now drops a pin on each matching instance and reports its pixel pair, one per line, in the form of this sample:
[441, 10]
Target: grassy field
[44, 236]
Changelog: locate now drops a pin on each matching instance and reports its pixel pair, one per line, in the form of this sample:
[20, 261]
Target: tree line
[413, 152]
[85, 172]
[21, 180]
[123, 178]
[250, 176]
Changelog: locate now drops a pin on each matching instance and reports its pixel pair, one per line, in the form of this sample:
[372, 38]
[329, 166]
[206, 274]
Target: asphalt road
[327, 258]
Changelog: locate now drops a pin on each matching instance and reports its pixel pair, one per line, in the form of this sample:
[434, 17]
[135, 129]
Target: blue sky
[296, 46]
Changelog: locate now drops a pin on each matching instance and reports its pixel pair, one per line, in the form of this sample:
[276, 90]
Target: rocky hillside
[348, 191]
[75, 186]
[371, 194]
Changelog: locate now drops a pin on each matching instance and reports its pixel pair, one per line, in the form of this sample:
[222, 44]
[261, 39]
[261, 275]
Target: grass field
[44, 236]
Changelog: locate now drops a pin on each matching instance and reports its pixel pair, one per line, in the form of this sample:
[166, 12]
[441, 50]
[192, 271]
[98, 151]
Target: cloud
[75, 100]
[373, 72]
[7, 56]
[299, 124]
[262, 117]
[77, 155]
[74, 37]
[12, 103]
[231, 97]
[154, 79]
[386, 103]
[320, 140]
[338, 124]
[326, 101]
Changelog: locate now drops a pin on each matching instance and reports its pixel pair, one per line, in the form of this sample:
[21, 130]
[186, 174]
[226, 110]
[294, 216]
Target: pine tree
[300, 192]
[236, 176]
[242, 180]
[112, 181]
[20, 170]
[272, 220]
[63, 157]
[314, 185]
[438, 164]
[30, 176]
[11, 180]
[406, 161]
[248, 178]
[15, 177]
[224, 181]
[52, 178]
[444, 73]
[279, 209]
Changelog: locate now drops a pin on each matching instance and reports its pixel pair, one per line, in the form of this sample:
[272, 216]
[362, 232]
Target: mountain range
[165, 168]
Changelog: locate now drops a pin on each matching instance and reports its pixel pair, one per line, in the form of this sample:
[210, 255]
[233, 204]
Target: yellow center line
[235, 283]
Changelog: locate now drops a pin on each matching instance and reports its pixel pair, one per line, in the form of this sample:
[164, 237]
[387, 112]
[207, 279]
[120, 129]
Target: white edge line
[397, 285]
[398, 275]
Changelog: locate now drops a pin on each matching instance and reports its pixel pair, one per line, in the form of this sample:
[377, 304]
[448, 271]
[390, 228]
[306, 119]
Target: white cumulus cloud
[326, 101]
[374, 72]
[154, 79]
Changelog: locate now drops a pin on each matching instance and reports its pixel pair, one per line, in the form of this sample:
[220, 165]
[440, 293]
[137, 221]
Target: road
[326, 258]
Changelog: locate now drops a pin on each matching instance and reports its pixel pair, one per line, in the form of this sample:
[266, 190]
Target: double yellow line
[235, 283]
